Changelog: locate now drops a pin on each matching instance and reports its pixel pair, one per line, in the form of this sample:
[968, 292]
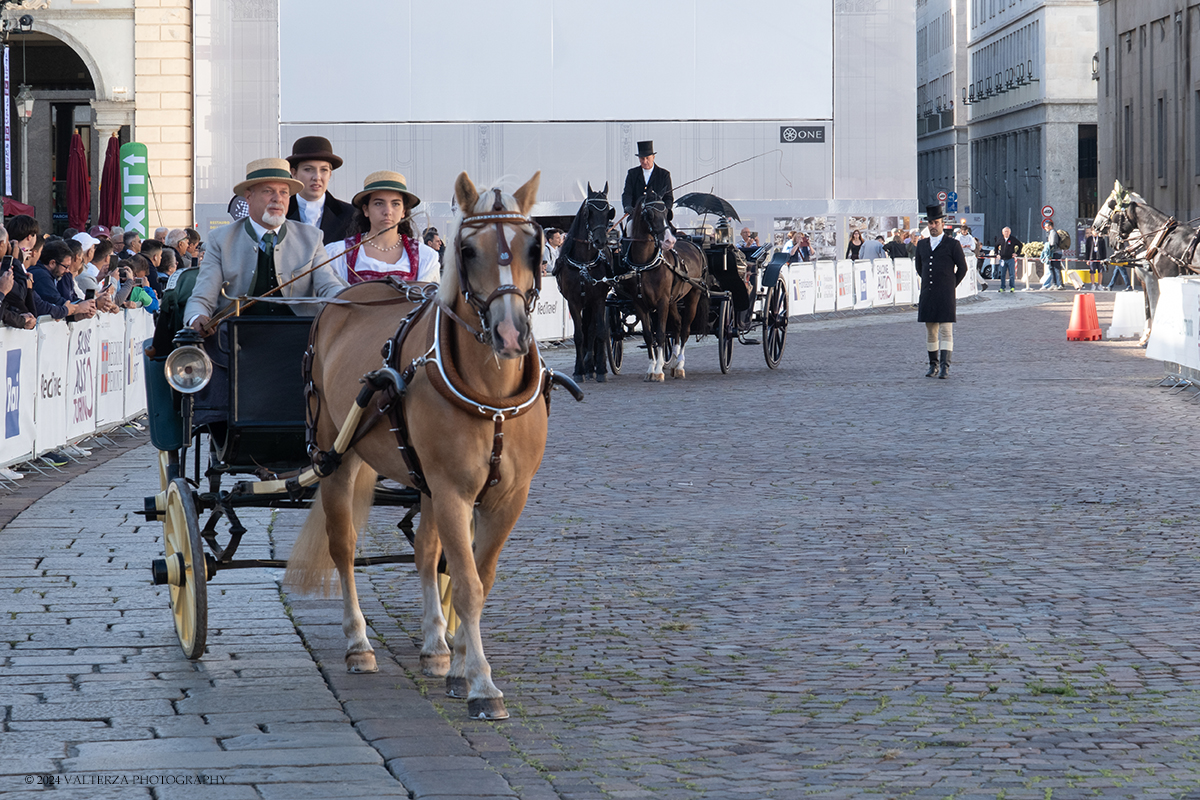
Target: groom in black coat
[941, 266]
[636, 181]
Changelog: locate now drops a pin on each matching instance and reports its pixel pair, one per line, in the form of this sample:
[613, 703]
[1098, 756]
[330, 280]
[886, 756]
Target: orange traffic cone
[1085, 325]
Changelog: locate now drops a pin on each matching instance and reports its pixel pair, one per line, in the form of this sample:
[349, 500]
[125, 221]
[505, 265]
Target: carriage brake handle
[567, 383]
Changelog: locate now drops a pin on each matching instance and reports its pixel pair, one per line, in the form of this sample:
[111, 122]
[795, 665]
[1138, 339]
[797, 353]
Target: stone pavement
[838, 579]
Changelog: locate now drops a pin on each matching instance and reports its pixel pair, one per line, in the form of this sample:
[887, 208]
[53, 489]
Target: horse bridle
[606, 212]
[500, 218]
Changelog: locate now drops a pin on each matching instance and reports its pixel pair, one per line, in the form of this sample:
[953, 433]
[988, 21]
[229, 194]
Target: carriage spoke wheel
[616, 336]
[725, 335]
[187, 574]
[775, 322]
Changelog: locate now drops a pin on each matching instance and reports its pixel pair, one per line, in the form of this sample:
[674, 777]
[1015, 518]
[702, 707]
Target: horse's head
[494, 262]
[653, 212]
[597, 215]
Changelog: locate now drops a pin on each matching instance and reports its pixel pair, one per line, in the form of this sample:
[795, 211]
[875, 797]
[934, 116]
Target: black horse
[1159, 246]
[582, 270]
[664, 280]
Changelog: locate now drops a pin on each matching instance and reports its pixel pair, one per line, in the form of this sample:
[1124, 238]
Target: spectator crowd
[47, 279]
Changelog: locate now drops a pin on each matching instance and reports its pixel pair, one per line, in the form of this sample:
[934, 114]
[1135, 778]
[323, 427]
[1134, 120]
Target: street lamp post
[25, 102]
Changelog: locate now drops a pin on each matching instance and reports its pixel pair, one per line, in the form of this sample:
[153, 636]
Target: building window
[1161, 121]
[1128, 135]
[1106, 72]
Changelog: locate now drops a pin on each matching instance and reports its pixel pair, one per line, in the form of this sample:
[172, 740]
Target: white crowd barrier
[1175, 336]
[64, 382]
[815, 287]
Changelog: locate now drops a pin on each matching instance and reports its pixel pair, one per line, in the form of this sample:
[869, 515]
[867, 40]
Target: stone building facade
[1031, 107]
[943, 163]
[1149, 101]
[104, 68]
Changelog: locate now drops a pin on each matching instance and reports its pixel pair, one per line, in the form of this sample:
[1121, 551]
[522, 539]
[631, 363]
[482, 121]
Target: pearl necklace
[399, 242]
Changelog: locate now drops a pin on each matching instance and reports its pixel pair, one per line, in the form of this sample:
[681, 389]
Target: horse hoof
[361, 662]
[659, 378]
[435, 666]
[579, 378]
[601, 377]
[489, 708]
[457, 686]
[678, 373]
[649, 377]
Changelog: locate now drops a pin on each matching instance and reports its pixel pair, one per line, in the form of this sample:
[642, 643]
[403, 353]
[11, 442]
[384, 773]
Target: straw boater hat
[268, 169]
[385, 181]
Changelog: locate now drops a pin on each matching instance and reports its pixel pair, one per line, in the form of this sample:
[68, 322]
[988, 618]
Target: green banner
[135, 189]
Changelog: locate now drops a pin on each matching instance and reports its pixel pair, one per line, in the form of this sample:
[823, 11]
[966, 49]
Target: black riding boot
[945, 373]
[933, 364]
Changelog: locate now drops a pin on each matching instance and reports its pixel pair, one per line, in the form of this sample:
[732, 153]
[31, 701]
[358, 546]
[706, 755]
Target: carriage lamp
[188, 369]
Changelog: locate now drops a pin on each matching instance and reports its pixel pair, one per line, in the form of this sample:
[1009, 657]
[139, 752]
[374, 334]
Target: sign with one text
[135, 189]
[802, 134]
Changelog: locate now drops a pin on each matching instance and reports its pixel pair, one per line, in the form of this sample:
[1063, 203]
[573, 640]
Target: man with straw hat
[262, 252]
[312, 163]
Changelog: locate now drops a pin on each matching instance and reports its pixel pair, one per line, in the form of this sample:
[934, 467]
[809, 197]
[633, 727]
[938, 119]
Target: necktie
[268, 244]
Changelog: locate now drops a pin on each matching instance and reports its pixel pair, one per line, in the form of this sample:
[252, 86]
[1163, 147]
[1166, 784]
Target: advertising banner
[802, 287]
[135, 189]
[81, 379]
[845, 284]
[884, 284]
[864, 280]
[825, 291]
[110, 390]
[905, 282]
[139, 326]
[550, 315]
[50, 402]
[18, 358]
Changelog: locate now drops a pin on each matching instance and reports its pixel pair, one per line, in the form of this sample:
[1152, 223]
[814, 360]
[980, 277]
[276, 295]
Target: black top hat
[645, 149]
[933, 212]
[313, 148]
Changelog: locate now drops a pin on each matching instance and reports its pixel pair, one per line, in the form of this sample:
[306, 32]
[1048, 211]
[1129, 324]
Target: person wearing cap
[941, 266]
[312, 163]
[647, 176]
[261, 253]
[99, 232]
[88, 243]
[383, 215]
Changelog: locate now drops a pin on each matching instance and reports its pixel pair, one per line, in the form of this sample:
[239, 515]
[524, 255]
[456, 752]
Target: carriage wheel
[725, 335]
[187, 574]
[775, 322]
[616, 336]
[164, 463]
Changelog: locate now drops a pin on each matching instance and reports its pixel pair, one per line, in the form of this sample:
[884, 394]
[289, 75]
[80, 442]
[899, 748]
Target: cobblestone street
[837, 579]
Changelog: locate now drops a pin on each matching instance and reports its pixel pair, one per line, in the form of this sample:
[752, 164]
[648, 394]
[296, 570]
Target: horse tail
[310, 567]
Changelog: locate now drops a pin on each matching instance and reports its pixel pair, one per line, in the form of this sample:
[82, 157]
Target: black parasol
[703, 203]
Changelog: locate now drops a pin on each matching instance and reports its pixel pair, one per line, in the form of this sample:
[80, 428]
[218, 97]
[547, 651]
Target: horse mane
[448, 287]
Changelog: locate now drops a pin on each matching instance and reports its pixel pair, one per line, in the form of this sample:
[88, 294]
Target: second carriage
[746, 291]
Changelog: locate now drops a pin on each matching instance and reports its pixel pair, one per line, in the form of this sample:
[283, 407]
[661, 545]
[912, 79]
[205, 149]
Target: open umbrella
[703, 203]
[110, 185]
[79, 186]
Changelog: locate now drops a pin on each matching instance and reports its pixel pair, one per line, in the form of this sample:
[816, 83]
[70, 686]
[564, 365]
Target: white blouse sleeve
[430, 268]
[339, 263]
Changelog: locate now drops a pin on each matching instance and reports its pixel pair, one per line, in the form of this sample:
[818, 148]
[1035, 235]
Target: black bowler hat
[313, 148]
[933, 212]
[645, 148]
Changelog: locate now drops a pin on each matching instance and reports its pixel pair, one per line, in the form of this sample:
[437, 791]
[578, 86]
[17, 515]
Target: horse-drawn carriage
[389, 397]
[670, 289]
[746, 290]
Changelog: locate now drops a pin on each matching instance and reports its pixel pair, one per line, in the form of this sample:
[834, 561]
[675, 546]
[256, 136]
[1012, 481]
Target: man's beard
[274, 220]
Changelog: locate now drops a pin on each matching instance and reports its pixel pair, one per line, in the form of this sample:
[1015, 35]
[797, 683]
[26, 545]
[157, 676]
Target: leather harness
[439, 368]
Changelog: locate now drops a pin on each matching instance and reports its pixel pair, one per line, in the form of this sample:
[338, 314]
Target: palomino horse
[664, 281]
[469, 414]
[1145, 233]
[582, 269]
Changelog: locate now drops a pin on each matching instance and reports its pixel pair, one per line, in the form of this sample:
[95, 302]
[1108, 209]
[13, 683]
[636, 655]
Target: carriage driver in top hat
[312, 163]
[647, 176]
